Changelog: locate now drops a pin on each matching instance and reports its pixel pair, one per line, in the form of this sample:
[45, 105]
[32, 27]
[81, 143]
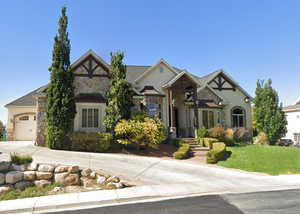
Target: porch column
[196, 108]
[172, 128]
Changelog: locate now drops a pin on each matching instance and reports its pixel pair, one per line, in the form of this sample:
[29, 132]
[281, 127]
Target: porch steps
[194, 145]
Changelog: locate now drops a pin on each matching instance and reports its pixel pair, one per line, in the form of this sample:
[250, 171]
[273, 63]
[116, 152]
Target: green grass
[273, 160]
[28, 192]
[20, 159]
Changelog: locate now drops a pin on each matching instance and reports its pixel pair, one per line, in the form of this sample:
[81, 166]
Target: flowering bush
[148, 132]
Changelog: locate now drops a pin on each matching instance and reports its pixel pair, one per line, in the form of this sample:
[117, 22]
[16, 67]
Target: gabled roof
[290, 108]
[208, 78]
[28, 99]
[177, 77]
[84, 56]
[150, 90]
[213, 91]
[175, 70]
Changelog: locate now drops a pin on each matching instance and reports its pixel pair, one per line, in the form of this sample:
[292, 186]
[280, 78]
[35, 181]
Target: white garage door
[25, 127]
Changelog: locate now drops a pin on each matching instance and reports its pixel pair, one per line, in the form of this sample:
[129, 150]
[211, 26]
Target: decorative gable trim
[91, 57]
[161, 61]
[229, 78]
[172, 81]
[220, 80]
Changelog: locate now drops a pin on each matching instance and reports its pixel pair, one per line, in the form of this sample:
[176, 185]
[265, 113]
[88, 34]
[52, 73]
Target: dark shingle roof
[28, 99]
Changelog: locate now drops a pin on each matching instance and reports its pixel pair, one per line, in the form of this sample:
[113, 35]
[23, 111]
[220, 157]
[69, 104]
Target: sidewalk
[100, 198]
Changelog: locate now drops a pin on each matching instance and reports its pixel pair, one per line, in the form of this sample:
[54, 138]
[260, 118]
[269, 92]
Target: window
[154, 110]
[90, 118]
[24, 118]
[34, 117]
[208, 119]
[161, 69]
[297, 138]
[238, 117]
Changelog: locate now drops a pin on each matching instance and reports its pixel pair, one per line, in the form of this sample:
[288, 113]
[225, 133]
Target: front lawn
[273, 160]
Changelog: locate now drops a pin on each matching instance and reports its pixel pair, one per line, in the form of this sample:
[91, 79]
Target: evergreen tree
[60, 93]
[268, 113]
[119, 94]
[2, 130]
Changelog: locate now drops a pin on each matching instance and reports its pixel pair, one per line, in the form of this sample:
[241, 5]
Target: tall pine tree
[268, 112]
[60, 93]
[119, 94]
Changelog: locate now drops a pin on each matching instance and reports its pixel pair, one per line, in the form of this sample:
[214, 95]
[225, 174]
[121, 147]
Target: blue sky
[250, 39]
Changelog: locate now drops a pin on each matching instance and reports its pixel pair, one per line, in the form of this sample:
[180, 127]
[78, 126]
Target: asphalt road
[197, 205]
[273, 202]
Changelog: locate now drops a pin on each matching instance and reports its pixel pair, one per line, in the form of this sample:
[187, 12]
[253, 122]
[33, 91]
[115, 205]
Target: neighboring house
[180, 99]
[292, 113]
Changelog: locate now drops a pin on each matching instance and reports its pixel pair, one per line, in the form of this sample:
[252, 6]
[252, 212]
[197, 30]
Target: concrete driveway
[168, 173]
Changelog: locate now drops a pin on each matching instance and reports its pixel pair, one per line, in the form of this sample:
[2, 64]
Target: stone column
[41, 126]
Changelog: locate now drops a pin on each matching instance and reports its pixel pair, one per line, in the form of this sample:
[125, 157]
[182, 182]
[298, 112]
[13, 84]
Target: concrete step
[204, 149]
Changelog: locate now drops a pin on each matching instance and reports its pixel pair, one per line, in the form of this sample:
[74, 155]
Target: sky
[249, 39]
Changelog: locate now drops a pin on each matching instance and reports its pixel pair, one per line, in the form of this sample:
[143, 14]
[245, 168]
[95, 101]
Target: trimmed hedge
[206, 141]
[217, 152]
[182, 152]
[91, 141]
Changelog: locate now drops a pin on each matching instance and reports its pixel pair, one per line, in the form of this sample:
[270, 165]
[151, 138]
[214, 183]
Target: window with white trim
[208, 119]
[90, 118]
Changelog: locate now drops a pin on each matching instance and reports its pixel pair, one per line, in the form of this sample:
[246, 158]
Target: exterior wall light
[246, 100]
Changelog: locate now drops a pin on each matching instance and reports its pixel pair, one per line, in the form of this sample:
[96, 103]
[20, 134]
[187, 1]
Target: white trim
[233, 81]
[154, 66]
[172, 81]
[90, 52]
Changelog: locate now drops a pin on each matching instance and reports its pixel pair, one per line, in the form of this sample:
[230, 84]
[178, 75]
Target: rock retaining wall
[21, 176]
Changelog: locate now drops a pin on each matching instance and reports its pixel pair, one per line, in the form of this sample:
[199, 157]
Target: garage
[25, 127]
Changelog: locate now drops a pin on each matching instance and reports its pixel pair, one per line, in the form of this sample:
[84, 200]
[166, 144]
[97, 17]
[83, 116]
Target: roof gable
[161, 61]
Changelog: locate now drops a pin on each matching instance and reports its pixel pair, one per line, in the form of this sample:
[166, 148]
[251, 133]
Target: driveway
[169, 173]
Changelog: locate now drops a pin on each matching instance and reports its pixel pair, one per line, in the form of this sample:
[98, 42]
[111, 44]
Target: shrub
[207, 141]
[182, 152]
[177, 142]
[149, 132]
[262, 139]
[20, 159]
[242, 135]
[229, 137]
[217, 152]
[217, 132]
[201, 133]
[91, 141]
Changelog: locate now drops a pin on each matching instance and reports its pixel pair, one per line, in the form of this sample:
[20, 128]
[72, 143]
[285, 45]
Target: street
[283, 202]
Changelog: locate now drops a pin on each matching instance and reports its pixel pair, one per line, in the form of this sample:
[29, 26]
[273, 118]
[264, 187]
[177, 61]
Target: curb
[86, 200]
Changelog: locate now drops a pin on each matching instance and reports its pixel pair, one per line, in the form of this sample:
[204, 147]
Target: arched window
[238, 117]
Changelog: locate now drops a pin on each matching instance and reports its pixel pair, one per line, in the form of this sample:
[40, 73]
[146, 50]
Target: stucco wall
[293, 126]
[232, 99]
[12, 111]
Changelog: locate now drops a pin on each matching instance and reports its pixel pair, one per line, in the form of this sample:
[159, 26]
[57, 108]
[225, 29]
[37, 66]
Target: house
[180, 99]
[292, 113]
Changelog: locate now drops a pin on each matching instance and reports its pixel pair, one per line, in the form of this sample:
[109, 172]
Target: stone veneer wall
[41, 126]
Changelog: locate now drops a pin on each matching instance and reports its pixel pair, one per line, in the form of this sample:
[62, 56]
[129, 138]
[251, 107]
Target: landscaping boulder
[4, 165]
[86, 172]
[41, 183]
[21, 185]
[16, 167]
[32, 166]
[100, 179]
[61, 169]
[2, 178]
[58, 189]
[44, 175]
[73, 169]
[66, 178]
[13, 177]
[88, 182]
[4, 189]
[46, 168]
[93, 175]
[113, 179]
[29, 175]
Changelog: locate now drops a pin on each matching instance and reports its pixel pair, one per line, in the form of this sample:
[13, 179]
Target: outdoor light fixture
[246, 100]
